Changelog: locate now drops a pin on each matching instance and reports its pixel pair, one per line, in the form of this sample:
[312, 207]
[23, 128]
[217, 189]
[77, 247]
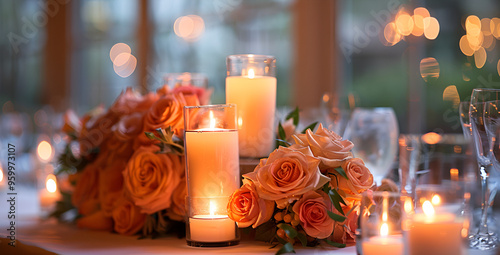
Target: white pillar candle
[383, 245]
[255, 97]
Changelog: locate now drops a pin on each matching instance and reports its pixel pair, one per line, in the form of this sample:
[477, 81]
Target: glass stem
[483, 226]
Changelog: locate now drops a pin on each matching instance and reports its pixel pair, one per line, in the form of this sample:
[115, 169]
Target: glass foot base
[212, 244]
[483, 241]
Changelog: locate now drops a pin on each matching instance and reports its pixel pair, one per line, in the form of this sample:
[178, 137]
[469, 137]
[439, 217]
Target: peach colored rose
[289, 129]
[286, 175]
[163, 90]
[178, 209]
[246, 208]
[95, 221]
[131, 101]
[150, 178]
[360, 178]
[167, 111]
[128, 218]
[312, 210]
[87, 185]
[344, 232]
[202, 94]
[111, 185]
[129, 126]
[327, 146]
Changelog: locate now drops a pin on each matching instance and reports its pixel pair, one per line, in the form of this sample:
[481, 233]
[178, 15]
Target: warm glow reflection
[251, 73]
[384, 229]
[212, 120]
[431, 138]
[44, 150]
[480, 57]
[189, 27]
[498, 67]
[473, 25]
[431, 28]
[454, 174]
[1, 174]
[495, 27]
[419, 14]
[485, 26]
[404, 23]
[117, 49]
[428, 208]
[50, 183]
[436, 200]
[450, 93]
[429, 69]
[489, 42]
[475, 42]
[465, 46]
[408, 205]
[212, 208]
[124, 64]
[391, 34]
[326, 98]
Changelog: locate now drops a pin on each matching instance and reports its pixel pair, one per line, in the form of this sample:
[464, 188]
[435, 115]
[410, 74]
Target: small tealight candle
[383, 244]
[50, 194]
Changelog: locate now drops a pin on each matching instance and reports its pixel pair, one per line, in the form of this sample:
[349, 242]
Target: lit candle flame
[1, 174]
[384, 229]
[408, 205]
[454, 174]
[212, 208]
[212, 120]
[436, 200]
[44, 150]
[428, 208]
[51, 184]
[240, 122]
[251, 73]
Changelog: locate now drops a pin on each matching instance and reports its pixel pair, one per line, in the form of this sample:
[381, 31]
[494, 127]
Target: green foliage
[286, 248]
[170, 143]
[289, 230]
[311, 127]
[341, 171]
[336, 217]
[266, 231]
[338, 245]
[294, 115]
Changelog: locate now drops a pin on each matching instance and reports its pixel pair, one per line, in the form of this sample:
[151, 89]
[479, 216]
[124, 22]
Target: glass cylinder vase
[212, 171]
[251, 85]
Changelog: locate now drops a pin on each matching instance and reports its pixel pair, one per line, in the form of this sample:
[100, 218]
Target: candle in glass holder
[50, 194]
[251, 85]
[212, 170]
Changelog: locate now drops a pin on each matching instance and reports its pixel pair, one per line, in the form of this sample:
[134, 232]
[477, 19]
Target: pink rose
[127, 218]
[312, 210]
[360, 178]
[150, 178]
[246, 208]
[286, 175]
[327, 146]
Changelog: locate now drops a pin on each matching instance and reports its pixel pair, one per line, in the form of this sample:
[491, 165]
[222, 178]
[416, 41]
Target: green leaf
[311, 127]
[341, 171]
[281, 240]
[302, 238]
[336, 217]
[283, 143]
[337, 197]
[295, 115]
[281, 132]
[266, 231]
[289, 230]
[287, 248]
[338, 245]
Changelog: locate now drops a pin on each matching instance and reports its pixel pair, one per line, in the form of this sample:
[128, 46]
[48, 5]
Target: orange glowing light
[391, 34]
[408, 205]
[428, 209]
[454, 174]
[419, 14]
[431, 138]
[117, 49]
[485, 26]
[44, 150]
[251, 73]
[125, 64]
[212, 120]
[450, 93]
[384, 229]
[473, 25]
[489, 42]
[189, 27]
[436, 200]
[50, 183]
[431, 28]
[475, 42]
[498, 67]
[1, 174]
[457, 149]
[326, 98]
[429, 68]
[404, 23]
[480, 57]
[495, 27]
[212, 208]
[465, 46]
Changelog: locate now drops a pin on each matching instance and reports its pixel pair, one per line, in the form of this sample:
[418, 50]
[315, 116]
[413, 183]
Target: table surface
[64, 238]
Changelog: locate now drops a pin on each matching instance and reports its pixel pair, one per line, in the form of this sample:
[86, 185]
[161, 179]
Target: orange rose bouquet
[126, 163]
[306, 192]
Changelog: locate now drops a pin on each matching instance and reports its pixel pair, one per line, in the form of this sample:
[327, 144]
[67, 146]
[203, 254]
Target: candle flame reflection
[50, 183]
[384, 229]
[212, 208]
[1, 174]
[436, 200]
[428, 208]
[44, 150]
[251, 73]
[212, 120]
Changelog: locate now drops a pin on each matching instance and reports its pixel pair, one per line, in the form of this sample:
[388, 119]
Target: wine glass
[465, 119]
[483, 239]
[374, 133]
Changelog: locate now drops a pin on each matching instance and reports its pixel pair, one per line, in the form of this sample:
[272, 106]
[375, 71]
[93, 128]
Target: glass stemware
[483, 239]
[375, 132]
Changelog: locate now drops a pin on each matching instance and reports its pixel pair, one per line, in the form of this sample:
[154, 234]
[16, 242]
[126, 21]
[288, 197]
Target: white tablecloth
[68, 239]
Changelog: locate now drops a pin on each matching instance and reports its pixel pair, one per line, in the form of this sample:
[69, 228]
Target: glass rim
[384, 193]
[242, 56]
[209, 106]
[486, 89]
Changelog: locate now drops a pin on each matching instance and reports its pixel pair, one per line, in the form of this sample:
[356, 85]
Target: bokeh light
[431, 28]
[495, 27]
[118, 49]
[124, 64]
[189, 27]
[450, 93]
[485, 26]
[1, 174]
[391, 34]
[431, 138]
[404, 23]
[429, 69]
[419, 14]
[465, 46]
[50, 183]
[480, 57]
[44, 150]
[498, 67]
[473, 25]
[489, 42]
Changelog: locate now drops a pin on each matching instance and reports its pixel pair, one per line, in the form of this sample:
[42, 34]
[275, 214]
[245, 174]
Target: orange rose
[131, 101]
[127, 218]
[360, 178]
[111, 185]
[286, 175]
[202, 94]
[96, 131]
[150, 178]
[129, 126]
[327, 146]
[344, 232]
[312, 210]
[87, 186]
[246, 208]
[178, 209]
[167, 111]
